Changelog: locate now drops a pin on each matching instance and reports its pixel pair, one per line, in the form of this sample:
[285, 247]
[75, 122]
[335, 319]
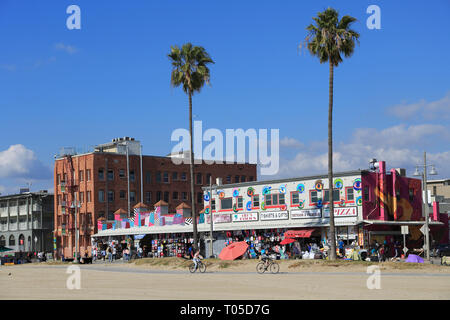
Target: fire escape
[68, 188]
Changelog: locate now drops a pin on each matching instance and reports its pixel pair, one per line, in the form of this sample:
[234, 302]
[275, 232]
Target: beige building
[439, 187]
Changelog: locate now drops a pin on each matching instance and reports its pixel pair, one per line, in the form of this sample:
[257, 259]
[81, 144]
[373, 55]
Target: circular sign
[250, 192]
[342, 203]
[249, 206]
[319, 186]
[359, 201]
[357, 184]
[319, 204]
[236, 193]
[282, 189]
[301, 204]
[235, 208]
[206, 197]
[301, 188]
[338, 183]
[221, 194]
[263, 206]
[266, 190]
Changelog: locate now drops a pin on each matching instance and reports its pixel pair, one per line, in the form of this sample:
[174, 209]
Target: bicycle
[267, 264]
[200, 266]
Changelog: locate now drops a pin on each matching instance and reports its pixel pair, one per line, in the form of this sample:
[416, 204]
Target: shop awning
[305, 233]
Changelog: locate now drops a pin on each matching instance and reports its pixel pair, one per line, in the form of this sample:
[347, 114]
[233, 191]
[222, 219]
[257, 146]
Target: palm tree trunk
[330, 166]
[191, 167]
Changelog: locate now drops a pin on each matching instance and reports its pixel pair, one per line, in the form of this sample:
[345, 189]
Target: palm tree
[327, 40]
[189, 69]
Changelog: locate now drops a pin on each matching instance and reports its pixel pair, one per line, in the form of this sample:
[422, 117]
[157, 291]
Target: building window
[183, 176]
[242, 178]
[256, 201]
[434, 190]
[88, 174]
[199, 197]
[81, 197]
[110, 215]
[175, 195]
[228, 179]
[174, 176]
[101, 174]
[148, 177]
[199, 178]
[366, 193]
[101, 195]
[166, 196]
[295, 198]
[122, 194]
[226, 203]
[236, 179]
[213, 204]
[101, 214]
[12, 241]
[251, 178]
[110, 174]
[121, 173]
[326, 197]
[314, 198]
[88, 196]
[350, 194]
[110, 196]
[208, 177]
[158, 195]
[65, 177]
[158, 177]
[132, 175]
[81, 175]
[240, 203]
[184, 196]
[2, 241]
[132, 196]
[166, 177]
[411, 195]
[58, 179]
[148, 197]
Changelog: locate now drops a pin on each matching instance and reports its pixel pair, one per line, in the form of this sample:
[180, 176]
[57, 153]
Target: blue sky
[61, 87]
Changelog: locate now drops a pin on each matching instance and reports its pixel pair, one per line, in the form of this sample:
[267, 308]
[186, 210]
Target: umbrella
[415, 259]
[4, 249]
[287, 240]
[233, 251]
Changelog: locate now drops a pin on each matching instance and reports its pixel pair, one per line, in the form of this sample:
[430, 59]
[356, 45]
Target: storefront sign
[274, 215]
[247, 216]
[305, 214]
[341, 212]
[219, 218]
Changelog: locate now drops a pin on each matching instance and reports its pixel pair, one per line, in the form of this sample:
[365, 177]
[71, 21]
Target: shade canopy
[287, 240]
[305, 233]
[414, 259]
[233, 251]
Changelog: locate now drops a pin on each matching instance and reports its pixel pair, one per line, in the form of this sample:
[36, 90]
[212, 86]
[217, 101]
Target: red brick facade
[162, 180]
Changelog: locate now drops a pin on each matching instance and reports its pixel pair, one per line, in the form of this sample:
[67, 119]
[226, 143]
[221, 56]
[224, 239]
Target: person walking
[109, 254]
[114, 253]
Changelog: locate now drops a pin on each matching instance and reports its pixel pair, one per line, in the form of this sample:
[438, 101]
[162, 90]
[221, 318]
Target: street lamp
[76, 205]
[425, 200]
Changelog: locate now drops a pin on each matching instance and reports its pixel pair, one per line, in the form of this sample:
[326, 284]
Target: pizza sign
[342, 212]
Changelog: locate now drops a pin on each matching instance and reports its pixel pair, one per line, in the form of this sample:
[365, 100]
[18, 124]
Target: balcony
[23, 210]
[23, 226]
[13, 226]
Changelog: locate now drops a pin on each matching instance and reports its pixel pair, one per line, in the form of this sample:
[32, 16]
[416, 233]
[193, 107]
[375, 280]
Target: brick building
[96, 184]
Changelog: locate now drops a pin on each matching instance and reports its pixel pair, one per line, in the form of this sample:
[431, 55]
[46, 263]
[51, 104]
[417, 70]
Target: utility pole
[427, 230]
[211, 250]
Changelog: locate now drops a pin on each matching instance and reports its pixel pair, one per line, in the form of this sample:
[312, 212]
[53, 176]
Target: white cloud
[19, 162]
[66, 48]
[400, 146]
[439, 109]
[291, 143]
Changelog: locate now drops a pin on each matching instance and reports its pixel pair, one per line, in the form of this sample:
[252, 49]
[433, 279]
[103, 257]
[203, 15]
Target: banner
[247, 216]
[273, 215]
[305, 214]
[341, 212]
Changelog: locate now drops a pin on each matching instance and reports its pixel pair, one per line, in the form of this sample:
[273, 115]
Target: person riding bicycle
[196, 258]
[264, 257]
